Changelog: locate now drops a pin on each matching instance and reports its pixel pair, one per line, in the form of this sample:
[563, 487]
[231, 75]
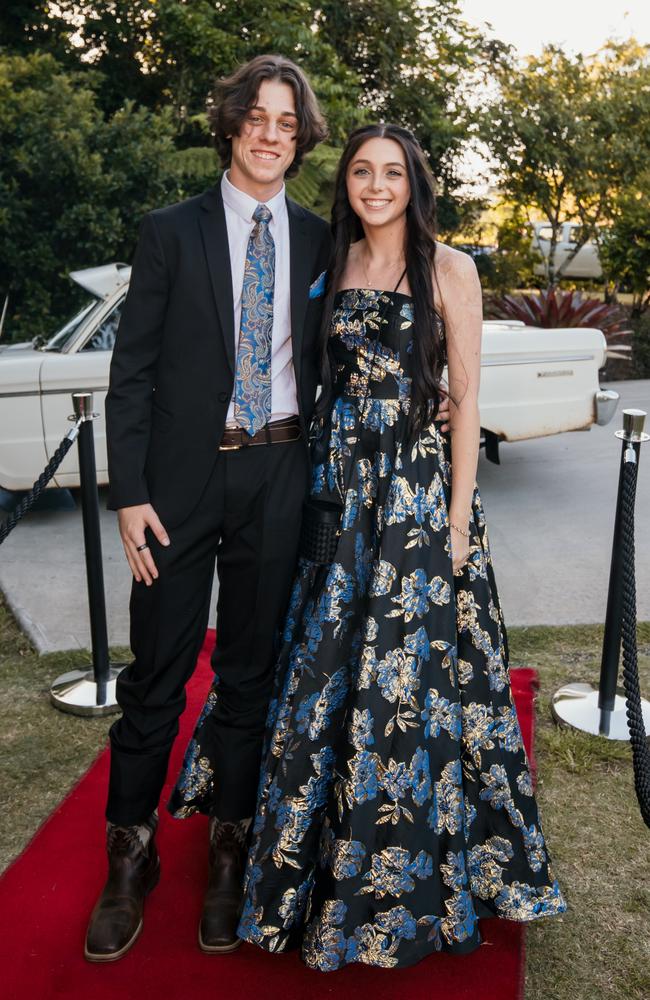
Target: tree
[388, 59]
[411, 61]
[73, 184]
[104, 103]
[625, 249]
[569, 132]
[26, 24]
[168, 53]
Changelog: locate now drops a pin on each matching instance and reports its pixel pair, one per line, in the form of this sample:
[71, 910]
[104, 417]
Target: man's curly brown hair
[234, 95]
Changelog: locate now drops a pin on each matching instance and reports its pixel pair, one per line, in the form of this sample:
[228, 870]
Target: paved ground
[550, 510]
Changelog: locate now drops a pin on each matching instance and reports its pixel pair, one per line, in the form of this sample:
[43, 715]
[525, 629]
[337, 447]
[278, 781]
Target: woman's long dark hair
[420, 251]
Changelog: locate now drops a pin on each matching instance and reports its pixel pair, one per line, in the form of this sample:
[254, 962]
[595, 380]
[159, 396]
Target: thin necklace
[398, 263]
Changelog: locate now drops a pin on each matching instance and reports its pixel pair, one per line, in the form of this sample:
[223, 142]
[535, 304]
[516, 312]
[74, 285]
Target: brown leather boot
[224, 895]
[133, 871]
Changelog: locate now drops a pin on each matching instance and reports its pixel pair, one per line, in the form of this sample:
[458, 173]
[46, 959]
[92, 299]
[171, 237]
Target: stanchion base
[76, 692]
[576, 705]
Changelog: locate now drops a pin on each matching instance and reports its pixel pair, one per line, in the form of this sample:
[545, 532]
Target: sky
[576, 25]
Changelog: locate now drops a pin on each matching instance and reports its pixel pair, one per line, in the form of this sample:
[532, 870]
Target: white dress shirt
[239, 208]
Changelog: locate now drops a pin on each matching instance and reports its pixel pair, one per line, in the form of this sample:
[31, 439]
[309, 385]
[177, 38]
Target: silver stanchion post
[602, 710]
[89, 692]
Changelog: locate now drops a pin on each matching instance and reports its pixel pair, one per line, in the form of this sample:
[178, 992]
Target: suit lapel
[215, 244]
[301, 255]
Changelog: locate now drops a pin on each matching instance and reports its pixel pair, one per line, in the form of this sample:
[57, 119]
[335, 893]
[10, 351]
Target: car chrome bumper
[606, 403]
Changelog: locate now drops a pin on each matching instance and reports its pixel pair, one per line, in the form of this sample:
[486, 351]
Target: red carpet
[47, 894]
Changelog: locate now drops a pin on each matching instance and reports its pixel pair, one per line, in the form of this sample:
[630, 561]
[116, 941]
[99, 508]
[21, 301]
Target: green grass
[43, 752]
[599, 845]
[600, 848]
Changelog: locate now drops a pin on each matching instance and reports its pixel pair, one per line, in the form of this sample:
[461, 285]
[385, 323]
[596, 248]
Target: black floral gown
[395, 802]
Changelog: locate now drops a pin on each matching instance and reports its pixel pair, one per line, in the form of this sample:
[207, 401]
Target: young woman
[395, 803]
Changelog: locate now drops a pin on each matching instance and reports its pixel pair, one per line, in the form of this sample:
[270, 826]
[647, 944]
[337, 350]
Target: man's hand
[443, 412]
[132, 522]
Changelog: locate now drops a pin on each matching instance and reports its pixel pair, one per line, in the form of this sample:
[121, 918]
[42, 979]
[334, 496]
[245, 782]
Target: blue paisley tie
[253, 371]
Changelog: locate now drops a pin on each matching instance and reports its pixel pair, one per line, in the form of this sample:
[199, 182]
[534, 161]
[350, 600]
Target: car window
[576, 234]
[103, 339]
[67, 332]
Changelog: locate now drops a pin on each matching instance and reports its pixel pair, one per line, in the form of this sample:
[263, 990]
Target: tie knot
[262, 214]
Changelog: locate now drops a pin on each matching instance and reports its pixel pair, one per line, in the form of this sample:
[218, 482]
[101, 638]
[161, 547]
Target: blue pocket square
[317, 288]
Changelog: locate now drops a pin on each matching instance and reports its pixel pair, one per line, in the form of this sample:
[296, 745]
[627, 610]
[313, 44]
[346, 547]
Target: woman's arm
[462, 310]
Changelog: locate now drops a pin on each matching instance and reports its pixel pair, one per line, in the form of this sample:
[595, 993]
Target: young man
[212, 386]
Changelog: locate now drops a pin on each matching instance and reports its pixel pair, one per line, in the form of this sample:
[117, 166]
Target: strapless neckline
[374, 291]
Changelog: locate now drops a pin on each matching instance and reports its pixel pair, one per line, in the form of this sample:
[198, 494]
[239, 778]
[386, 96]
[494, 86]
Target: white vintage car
[583, 264]
[533, 382]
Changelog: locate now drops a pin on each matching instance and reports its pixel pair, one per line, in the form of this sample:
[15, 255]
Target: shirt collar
[244, 205]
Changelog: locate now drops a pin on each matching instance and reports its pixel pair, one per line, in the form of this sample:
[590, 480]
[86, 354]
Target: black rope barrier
[32, 496]
[89, 692]
[81, 691]
[638, 741]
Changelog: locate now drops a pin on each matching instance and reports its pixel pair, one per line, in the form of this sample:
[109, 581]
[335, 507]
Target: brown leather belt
[279, 432]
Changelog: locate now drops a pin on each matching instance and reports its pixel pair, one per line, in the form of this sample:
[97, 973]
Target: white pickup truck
[534, 382]
[585, 263]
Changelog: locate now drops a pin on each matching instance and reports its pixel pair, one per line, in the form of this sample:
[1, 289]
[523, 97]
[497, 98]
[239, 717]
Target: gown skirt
[395, 804]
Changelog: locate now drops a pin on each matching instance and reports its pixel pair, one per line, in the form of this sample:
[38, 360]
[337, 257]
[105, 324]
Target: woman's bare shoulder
[452, 264]
[455, 277]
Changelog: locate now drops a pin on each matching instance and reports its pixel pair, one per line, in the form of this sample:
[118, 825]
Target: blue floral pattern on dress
[395, 804]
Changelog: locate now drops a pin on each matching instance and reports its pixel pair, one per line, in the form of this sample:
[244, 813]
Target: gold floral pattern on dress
[395, 804]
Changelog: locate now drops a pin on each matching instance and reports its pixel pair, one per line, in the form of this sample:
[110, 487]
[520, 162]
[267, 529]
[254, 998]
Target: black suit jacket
[172, 370]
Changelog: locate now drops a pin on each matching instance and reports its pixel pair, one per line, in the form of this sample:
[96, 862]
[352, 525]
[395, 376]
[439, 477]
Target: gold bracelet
[459, 530]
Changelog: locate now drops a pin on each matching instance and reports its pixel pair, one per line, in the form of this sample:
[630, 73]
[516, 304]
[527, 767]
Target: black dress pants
[249, 519]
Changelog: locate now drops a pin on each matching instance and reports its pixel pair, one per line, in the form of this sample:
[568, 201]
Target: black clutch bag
[321, 519]
[320, 531]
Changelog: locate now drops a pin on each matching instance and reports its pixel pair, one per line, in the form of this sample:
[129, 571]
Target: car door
[542, 242]
[85, 368]
[586, 263]
[22, 455]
